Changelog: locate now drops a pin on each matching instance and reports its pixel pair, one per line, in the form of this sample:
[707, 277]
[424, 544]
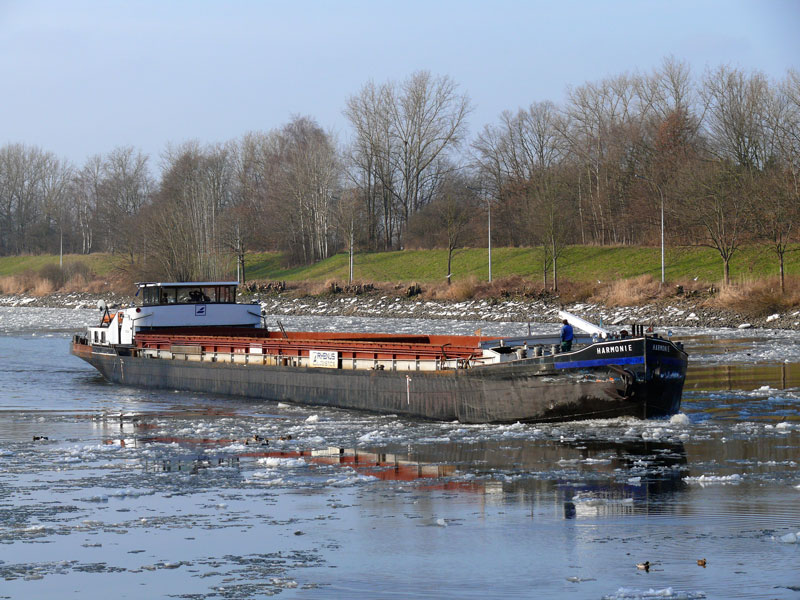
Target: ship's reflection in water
[587, 477]
[592, 478]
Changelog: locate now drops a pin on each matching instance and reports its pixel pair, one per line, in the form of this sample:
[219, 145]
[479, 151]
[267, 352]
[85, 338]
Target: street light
[661, 195]
[489, 206]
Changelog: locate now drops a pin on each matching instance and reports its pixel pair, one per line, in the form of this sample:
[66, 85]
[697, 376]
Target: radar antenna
[103, 308]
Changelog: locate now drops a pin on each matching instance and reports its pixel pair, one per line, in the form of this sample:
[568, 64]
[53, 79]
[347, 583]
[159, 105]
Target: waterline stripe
[600, 362]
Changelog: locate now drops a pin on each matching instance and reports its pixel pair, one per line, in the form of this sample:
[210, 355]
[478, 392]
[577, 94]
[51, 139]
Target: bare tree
[289, 181]
[350, 218]
[783, 119]
[445, 222]
[667, 90]
[85, 195]
[552, 216]
[604, 128]
[184, 226]
[777, 209]
[32, 186]
[716, 208]
[55, 186]
[737, 105]
[370, 166]
[428, 118]
[510, 155]
[260, 201]
[310, 177]
[404, 135]
[125, 187]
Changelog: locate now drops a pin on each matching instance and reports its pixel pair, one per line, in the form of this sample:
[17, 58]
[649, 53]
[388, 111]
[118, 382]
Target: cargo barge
[193, 336]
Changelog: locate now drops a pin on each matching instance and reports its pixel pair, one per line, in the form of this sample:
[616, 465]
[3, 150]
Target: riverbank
[582, 265]
[669, 312]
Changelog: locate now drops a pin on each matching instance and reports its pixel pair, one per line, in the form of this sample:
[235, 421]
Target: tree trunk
[545, 265]
[580, 210]
[726, 270]
[555, 266]
[544, 272]
[449, 263]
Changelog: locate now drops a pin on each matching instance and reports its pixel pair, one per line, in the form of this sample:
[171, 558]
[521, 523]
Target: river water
[107, 490]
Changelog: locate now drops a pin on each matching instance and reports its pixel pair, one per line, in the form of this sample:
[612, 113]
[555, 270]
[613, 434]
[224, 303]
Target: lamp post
[661, 195]
[350, 252]
[489, 206]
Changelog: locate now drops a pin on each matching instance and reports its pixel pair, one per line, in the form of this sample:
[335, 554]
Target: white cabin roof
[143, 284]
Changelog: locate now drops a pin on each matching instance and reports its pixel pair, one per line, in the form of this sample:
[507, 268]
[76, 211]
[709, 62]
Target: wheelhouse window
[193, 295]
[226, 294]
[149, 295]
[155, 295]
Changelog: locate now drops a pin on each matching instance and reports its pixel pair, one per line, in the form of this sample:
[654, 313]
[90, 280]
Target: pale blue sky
[80, 78]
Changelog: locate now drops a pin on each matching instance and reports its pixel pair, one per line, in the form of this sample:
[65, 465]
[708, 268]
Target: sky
[79, 78]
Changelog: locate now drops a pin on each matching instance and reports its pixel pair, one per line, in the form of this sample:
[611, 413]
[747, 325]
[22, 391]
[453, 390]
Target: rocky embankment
[673, 312]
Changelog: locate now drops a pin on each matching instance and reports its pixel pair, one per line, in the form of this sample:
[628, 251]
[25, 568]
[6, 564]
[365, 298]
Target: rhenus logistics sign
[328, 359]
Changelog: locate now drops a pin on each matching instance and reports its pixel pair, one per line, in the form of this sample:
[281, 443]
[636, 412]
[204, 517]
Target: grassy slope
[579, 264]
[100, 263]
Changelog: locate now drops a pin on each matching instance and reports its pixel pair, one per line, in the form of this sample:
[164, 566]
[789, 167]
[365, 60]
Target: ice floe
[789, 538]
[704, 480]
[679, 419]
[279, 462]
[653, 594]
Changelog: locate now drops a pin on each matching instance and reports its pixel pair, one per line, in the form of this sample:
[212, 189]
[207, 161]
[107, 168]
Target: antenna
[103, 308]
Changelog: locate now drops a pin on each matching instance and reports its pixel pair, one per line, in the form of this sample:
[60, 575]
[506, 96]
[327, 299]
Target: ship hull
[637, 380]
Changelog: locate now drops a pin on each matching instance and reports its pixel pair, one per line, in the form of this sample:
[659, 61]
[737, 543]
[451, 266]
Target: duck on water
[194, 336]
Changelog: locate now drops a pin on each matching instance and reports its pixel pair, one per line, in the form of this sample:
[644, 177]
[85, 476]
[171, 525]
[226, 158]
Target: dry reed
[632, 292]
[42, 287]
[758, 298]
[73, 277]
[19, 283]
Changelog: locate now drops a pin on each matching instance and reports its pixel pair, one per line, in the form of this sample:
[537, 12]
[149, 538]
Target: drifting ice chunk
[652, 594]
[679, 419]
[721, 479]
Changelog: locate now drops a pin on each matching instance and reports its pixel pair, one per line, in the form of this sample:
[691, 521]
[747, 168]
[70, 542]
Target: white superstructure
[185, 304]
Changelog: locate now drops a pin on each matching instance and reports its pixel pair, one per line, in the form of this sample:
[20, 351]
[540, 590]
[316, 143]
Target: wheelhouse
[196, 292]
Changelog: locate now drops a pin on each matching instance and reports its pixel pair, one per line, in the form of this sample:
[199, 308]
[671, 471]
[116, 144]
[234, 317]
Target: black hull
[572, 386]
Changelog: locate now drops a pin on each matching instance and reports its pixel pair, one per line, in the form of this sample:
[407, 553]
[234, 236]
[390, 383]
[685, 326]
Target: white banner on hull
[327, 359]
